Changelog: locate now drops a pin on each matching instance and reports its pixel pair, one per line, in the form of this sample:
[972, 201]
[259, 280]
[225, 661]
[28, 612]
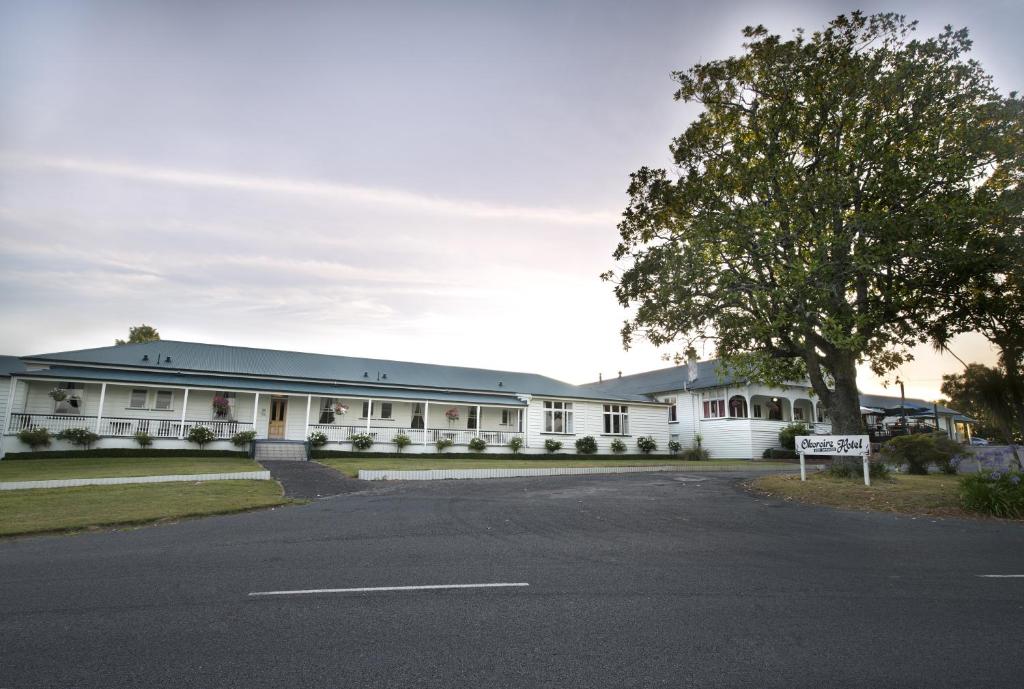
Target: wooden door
[278, 414]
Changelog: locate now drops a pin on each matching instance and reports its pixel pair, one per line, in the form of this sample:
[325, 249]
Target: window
[326, 410]
[417, 416]
[714, 409]
[137, 400]
[471, 419]
[616, 419]
[673, 411]
[557, 417]
[72, 402]
[798, 414]
[164, 399]
[757, 411]
[385, 410]
[738, 407]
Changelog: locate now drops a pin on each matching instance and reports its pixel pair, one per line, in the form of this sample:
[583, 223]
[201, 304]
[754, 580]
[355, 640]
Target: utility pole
[903, 406]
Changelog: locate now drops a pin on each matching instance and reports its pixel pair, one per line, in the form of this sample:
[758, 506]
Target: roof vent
[600, 377]
[501, 384]
[620, 374]
[383, 376]
[145, 357]
[366, 374]
[167, 359]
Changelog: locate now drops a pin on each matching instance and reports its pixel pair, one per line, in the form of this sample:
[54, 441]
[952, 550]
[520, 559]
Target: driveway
[310, 480]
[633, 581]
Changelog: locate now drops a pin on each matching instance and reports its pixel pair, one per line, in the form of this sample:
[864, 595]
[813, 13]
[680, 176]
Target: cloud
[390, 198]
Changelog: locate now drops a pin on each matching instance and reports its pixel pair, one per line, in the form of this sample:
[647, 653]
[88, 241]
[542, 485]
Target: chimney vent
[599, 377]
[691, 364]
[620, 374]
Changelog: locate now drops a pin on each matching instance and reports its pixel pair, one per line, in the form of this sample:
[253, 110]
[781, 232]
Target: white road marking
[1001, 576]
[371, 589]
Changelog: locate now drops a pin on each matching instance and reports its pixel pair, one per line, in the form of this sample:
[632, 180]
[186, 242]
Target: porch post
[426, 421]
[478, 420]
[184, 406]
[524, 417]
[10, 405]
[255, 410]
[309, 405]
[369, 413]
[99, 412]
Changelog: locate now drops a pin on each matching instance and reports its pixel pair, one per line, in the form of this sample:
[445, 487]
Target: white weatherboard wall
[588, 419]
[5, 389]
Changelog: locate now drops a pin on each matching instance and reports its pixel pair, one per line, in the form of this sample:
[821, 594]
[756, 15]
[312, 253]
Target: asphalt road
[638, 580]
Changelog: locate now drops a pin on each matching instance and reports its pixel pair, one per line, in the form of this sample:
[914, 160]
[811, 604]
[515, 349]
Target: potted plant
[58, 394]
[340, 409]
[221, 407]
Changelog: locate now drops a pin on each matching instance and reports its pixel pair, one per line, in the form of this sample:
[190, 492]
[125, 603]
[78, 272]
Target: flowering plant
[221, 406]
[340, 408]
[452, 414]
[58, 394]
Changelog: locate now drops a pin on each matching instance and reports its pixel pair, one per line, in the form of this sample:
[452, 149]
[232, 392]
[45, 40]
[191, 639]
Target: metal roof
[9, 365]
[196, 358]
[889, 402]
[667, 379]
[157, 378]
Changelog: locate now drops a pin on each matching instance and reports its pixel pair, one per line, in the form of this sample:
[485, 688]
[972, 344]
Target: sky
[433, 181]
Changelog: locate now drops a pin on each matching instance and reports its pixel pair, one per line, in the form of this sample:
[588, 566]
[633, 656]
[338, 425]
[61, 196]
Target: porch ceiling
[268, 386]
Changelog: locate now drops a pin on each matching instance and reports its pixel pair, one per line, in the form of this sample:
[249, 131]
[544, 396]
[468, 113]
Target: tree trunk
[845, 407]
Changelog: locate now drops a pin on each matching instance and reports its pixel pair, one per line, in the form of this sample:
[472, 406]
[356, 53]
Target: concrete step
[280, 450]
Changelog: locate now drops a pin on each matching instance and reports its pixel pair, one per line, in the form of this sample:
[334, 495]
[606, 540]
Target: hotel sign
[835, 445]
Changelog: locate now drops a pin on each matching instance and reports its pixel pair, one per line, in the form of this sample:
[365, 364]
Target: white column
[369, 413]
[10, 407]
[426, 421]
[309, 405]
[526, 425]
[479, 419]
[255, 411]
[184, 406]
[99, 412]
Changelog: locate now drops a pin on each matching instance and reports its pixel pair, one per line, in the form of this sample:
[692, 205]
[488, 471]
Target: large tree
[988, 395]
[140, 333]
[820, 203]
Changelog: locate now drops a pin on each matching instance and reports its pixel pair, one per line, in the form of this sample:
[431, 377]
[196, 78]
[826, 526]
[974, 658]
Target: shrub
[243, 438]
[200, 435]
[82, 437]
[552, 445]
[443, 444]
[317, 439]
[586, 445]
[876, 470]
[143, 439]
[35, 437]
[999, 493]
[477, 444]
[515, 444]
[647, 444]
[618, 447]
[919, 450]
[778, 453]
[674, 446]
[696, 454]
[402, 441]
[361, 441]
[787, 436]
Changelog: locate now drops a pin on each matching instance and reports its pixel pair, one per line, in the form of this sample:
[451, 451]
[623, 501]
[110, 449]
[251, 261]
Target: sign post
[836, 446]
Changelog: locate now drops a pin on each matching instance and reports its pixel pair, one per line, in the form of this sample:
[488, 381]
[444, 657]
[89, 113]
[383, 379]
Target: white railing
[386, 434]
[223, 430]
[55, 423]
[499, 438]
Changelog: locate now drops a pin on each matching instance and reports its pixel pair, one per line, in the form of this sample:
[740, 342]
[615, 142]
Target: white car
[979, 441]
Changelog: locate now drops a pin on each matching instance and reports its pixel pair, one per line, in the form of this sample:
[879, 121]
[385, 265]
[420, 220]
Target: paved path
[641, 580]
[311, 480]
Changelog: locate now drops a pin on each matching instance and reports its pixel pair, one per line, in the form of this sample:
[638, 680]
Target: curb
[122, 480]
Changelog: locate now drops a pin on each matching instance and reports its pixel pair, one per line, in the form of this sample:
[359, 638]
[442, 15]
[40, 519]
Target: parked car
[979, 441]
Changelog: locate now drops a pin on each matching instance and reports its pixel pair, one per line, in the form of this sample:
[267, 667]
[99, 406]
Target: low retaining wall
[120, 480]
[435, 474]
[990, 458]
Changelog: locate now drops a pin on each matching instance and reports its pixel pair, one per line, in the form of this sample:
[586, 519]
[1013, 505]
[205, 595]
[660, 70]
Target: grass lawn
[109, 467]
[351, 466]
[62, 509]
[935, 494]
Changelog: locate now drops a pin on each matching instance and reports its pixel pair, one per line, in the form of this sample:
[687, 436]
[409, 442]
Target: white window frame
[472, 420]
[559, 413]
[386, 411]
[615, 419]
[170, 400]
[673, 411]
[131, 398]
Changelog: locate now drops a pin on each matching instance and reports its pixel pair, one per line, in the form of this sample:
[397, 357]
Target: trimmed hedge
[123, 452]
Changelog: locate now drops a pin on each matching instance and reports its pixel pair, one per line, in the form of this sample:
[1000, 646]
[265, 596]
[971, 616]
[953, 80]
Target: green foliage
[82, 437]
[35, 437]
[243, 438]
[586, 445]
[787, 436]
[647, 444]
[201, 435]
[856, 470]
[402, 441]
[552, 445]
[674, 446]
[443, 444]
[999, 493]
[920, 450]
[618, 447]
[143, 439]
[140, 333]
[361, 441]
[477, 444]
[317, 439]
[515, 444]
[778, 453]
[988, 394]
[821, 205]
[695, 454]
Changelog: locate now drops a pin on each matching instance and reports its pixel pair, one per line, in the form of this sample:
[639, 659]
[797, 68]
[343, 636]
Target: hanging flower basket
[58, 394]
[452, 415]
[340, 408]
[221, 407]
